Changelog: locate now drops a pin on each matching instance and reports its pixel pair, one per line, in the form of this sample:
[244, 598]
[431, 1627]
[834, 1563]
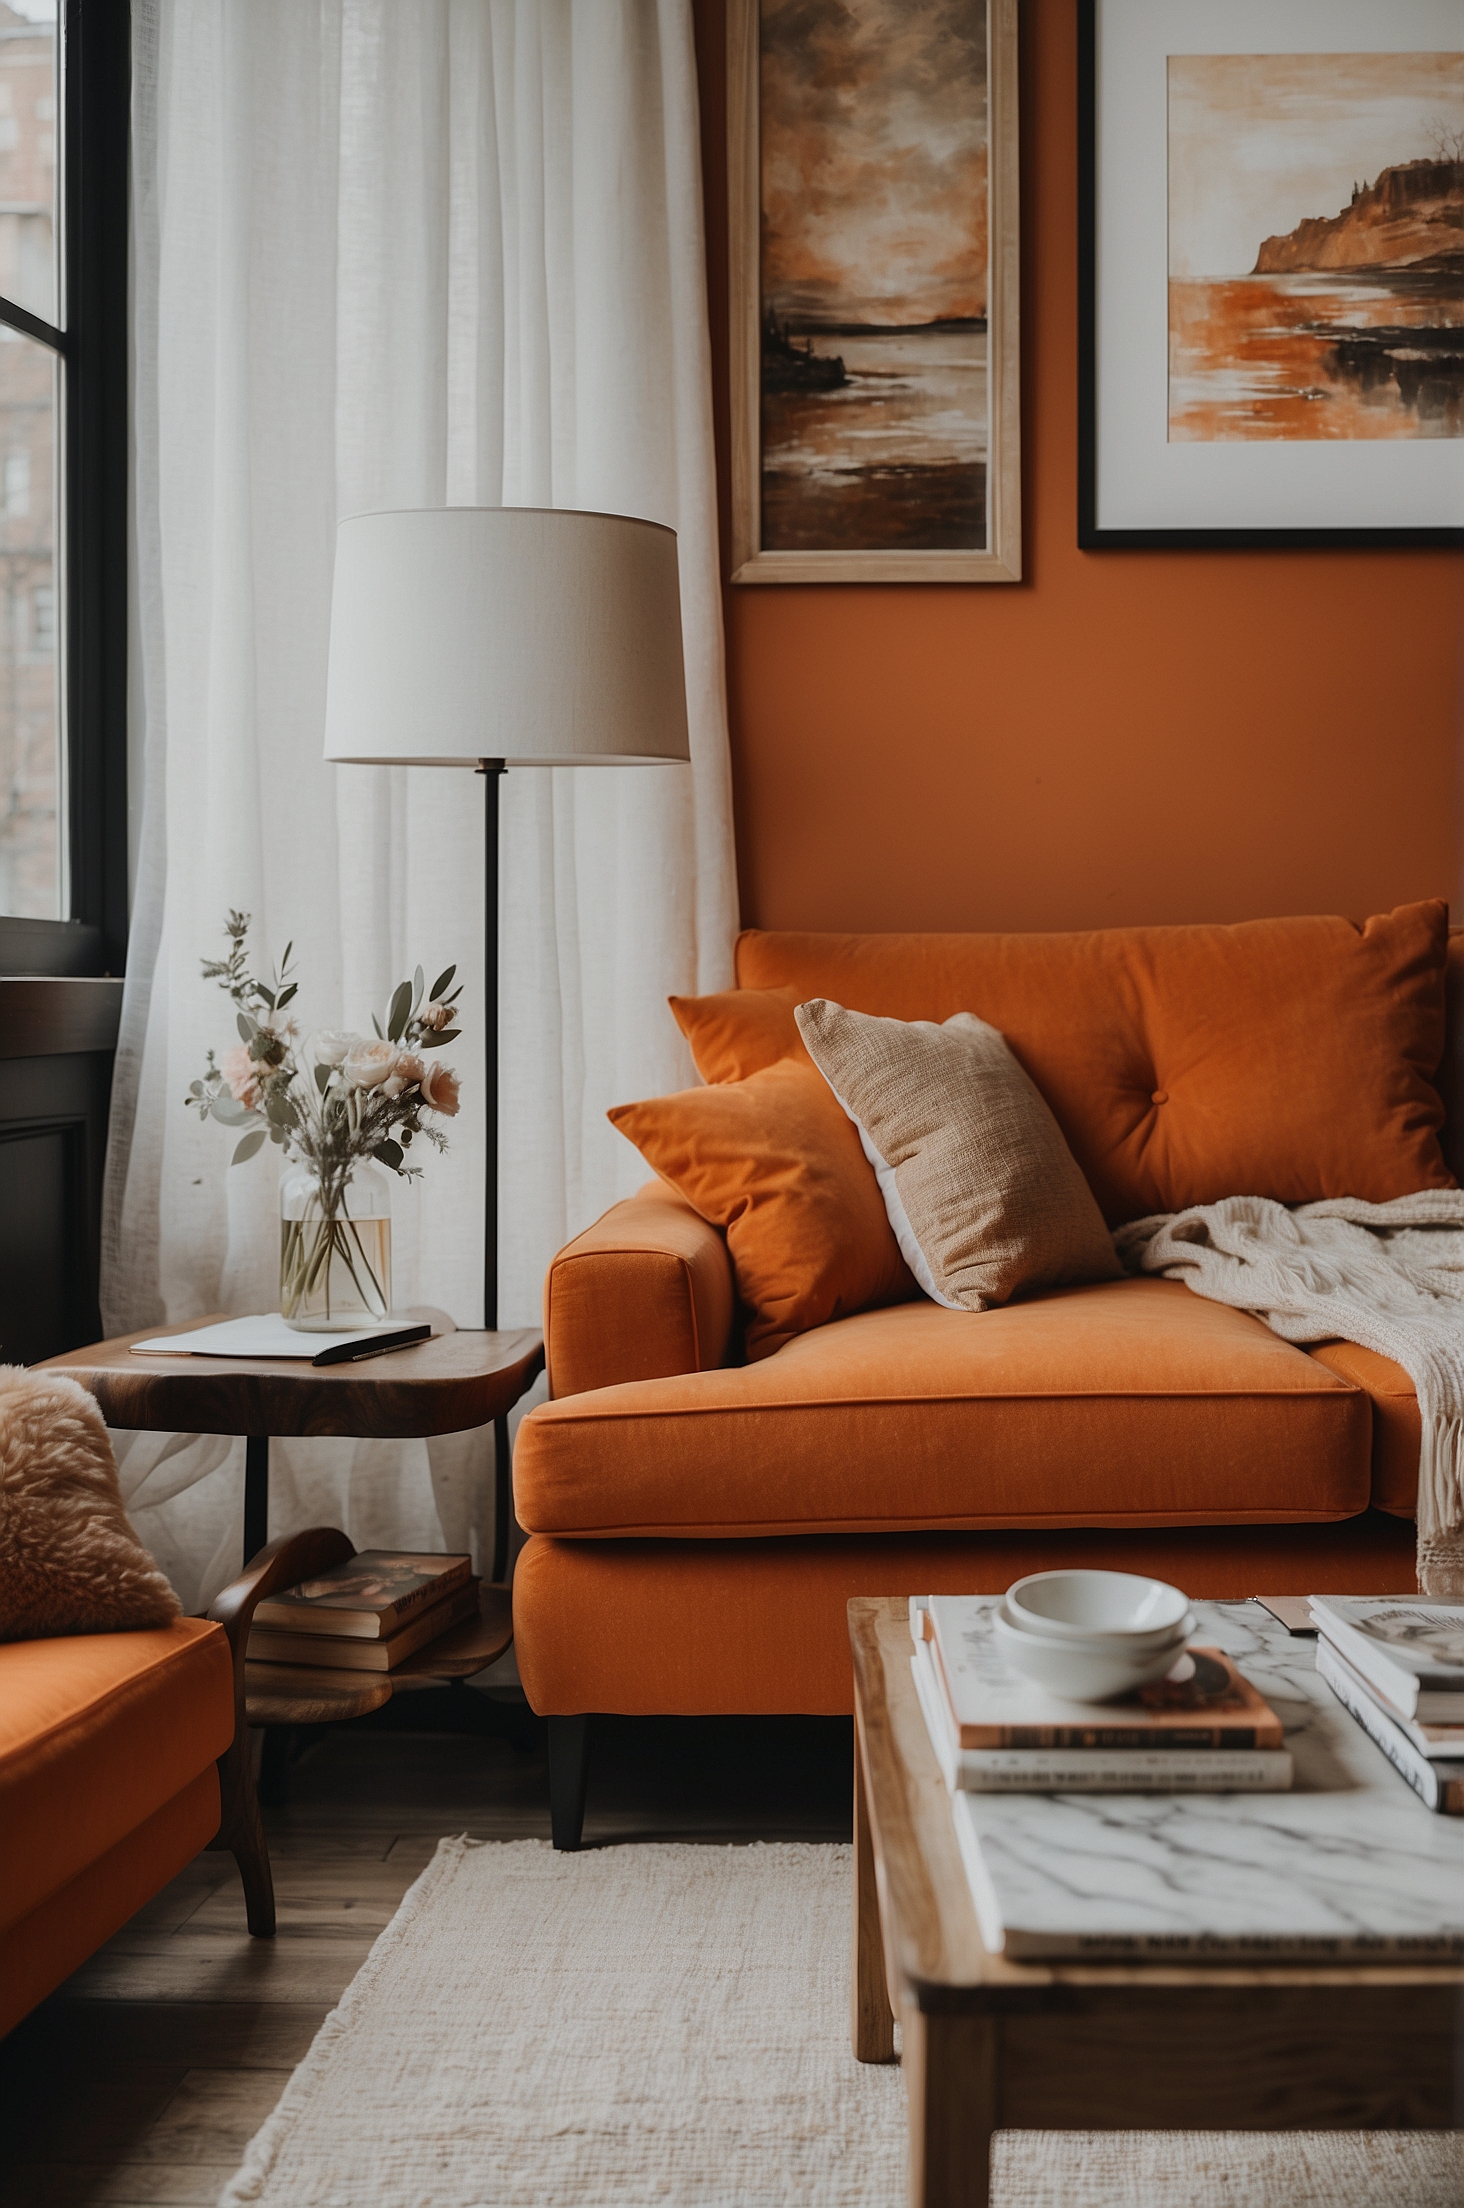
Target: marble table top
[1348, 1866]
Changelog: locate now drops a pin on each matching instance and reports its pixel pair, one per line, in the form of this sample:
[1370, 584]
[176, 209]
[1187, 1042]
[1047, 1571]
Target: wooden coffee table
[989, 2043]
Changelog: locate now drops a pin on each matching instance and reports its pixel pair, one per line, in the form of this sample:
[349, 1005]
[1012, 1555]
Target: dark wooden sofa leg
[569, 1766]
[242, 1833]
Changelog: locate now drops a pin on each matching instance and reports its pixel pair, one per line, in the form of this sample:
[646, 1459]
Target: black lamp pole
[492, 771]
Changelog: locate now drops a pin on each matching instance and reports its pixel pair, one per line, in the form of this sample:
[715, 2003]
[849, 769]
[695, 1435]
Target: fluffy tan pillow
[984, 1195]
[69, 1561]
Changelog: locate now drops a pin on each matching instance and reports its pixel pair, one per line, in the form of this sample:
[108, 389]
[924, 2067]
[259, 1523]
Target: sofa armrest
[646, 1292]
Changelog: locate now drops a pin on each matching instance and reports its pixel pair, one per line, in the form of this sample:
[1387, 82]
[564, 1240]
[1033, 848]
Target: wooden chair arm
[282, 1563]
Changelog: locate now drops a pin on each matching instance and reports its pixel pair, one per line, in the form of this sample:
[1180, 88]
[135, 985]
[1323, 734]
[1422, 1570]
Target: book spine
[1112, 1771]
[1428, 1784]
[321, 1650]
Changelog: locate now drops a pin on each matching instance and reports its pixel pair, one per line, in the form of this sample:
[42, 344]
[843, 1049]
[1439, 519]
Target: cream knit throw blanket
[1389, 1276]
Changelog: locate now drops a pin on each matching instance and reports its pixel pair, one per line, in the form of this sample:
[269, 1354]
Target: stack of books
[368, 1614]
[995, 1732]
[1397, 1666]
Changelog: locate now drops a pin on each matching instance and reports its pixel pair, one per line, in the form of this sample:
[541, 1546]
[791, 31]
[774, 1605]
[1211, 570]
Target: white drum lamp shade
[530, 637]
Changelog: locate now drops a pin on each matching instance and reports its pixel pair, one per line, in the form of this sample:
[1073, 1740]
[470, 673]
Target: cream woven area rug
[645, 2025]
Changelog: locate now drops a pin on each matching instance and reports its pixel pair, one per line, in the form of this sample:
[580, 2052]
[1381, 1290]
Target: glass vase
[335, 1256]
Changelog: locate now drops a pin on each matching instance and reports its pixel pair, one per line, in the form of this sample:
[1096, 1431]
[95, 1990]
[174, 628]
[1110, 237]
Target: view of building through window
[31, 873]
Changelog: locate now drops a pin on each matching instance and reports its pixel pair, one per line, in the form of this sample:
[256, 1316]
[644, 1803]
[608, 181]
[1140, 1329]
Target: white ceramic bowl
[1083, 1675]
[1134, 1645]
[1079, 1605]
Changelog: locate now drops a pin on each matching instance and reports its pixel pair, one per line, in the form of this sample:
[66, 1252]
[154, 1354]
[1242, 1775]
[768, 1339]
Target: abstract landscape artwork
[873, 209]
[1316, 246]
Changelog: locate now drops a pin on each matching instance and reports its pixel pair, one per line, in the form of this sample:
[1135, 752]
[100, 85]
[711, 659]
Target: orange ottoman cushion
[1131, 1402]
[1284, 1058]
[96, 1733]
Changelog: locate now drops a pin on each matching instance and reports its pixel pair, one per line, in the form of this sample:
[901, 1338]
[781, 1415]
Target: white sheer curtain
[398, 252]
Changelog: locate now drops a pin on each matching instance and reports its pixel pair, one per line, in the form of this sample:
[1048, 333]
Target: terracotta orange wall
[1122, 737]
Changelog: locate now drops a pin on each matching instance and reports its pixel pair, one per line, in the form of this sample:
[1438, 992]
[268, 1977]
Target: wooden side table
[455, 1380]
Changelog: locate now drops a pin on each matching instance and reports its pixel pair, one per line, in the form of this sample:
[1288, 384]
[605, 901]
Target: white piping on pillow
[898, 1217]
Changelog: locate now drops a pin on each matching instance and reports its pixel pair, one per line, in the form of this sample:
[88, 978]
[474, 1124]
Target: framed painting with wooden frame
[1271, 273]
[874, 269]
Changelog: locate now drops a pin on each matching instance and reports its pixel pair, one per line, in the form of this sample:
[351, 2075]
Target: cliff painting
[1316, 246]
[873, 273]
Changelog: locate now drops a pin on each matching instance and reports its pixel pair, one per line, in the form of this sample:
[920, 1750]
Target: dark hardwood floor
[143, 2077]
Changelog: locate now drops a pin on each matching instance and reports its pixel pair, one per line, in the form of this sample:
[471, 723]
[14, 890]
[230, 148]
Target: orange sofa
[697, 1523]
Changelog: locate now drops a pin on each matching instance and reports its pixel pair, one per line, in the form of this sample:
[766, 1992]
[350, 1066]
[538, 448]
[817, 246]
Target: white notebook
[266, 1334]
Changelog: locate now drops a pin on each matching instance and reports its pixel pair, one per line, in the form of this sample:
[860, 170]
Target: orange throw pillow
[775, 1161]
[739, 1031]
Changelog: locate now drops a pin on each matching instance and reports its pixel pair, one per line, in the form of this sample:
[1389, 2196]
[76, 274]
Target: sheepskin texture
[69, 1560]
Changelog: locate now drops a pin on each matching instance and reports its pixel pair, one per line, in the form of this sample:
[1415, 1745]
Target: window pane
[29, 106]
[30, 747]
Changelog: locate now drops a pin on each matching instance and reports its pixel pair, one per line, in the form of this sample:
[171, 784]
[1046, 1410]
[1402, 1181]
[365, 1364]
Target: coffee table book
[1411, 1652]
[1085, 1770]
[993, 1707]
[1426, 1765]
[368, 1597]
[347, 1653]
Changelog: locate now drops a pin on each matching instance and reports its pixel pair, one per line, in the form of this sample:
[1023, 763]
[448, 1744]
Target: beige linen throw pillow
[983, 1193]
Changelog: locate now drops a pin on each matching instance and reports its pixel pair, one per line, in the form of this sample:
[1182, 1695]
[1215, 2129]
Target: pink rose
[407, 1070]
[368, 1064]
[242, 1076]
[436, 1016]
[440, 1089]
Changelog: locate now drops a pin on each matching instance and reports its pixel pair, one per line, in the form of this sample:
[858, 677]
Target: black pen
[353, 1352]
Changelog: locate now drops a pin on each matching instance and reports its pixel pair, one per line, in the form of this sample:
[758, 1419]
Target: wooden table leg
[256, 1495]
[952, 2096]
[872, 2019]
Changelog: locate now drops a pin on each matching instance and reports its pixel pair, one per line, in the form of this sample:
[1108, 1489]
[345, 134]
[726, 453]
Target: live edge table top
[445, 1385]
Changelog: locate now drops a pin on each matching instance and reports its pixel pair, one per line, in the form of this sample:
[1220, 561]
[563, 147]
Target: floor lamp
[497, 637]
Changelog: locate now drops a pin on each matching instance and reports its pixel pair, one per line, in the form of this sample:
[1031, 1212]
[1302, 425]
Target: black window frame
[96, 81]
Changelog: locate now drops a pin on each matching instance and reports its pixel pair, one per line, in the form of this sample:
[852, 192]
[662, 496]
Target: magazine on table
[1411, 1650]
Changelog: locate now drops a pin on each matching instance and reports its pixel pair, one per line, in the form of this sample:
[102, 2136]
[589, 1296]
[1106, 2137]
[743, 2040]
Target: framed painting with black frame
[1271, 273]
[873, 260]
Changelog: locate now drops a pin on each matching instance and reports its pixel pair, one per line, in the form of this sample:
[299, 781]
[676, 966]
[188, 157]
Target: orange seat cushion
[1397, 1425]
[1128, 1402]
[1284, 1058]
[776, 1162]
[96, 1733]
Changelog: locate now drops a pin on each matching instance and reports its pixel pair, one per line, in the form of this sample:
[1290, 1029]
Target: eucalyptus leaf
[277, 1134]
[389, 1153]
[377, 1025]
[195, 1088]
[322, 1078]
[441, 983]
[248, 1028]
[267, 994]
[284, 962]
[401, 1006]
[417, 987]
[285, 995]
[252, 1142]
[229, 1111]
[448, 1035]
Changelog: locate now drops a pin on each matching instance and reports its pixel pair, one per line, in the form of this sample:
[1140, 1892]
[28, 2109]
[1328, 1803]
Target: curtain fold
[440, 253]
